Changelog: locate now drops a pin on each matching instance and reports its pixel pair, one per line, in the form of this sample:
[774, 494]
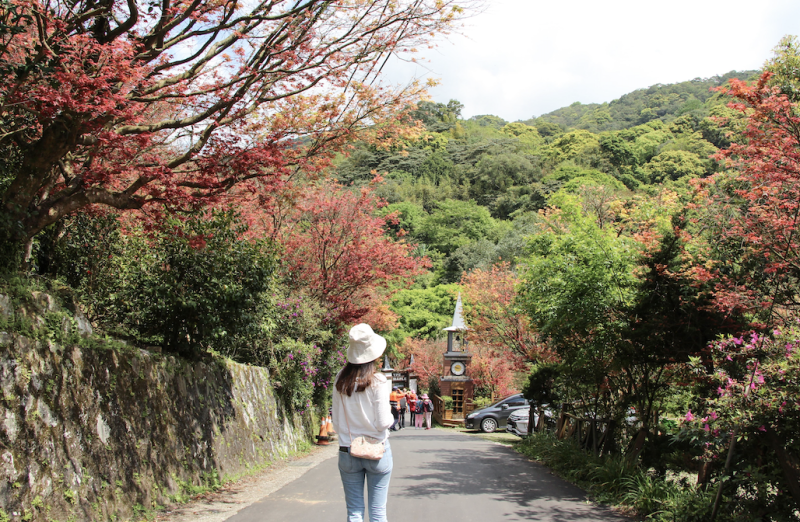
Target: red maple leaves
[182, 103]
[337, 249]
[757, 207]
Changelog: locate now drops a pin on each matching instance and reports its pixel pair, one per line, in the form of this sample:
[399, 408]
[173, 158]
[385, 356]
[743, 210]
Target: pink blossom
[713, 415]
[706, 428]
[689, 416]
[762, 428]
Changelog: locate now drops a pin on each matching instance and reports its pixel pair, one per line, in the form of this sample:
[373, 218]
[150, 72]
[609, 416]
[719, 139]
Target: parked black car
[492, 417]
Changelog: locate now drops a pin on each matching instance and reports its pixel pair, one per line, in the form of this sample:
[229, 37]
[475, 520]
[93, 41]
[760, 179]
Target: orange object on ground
[322, 438]
[329, 426]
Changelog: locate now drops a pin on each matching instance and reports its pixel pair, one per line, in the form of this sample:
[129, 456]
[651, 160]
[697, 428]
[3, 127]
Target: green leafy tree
[452, 224]
[572, 145]
[423, 312]
[191, 284]
[675, 164]
[489, 120]
[785, 67]
[408, 217]
[438, 117]
[494, 175]
[575, 287]
[479, 254]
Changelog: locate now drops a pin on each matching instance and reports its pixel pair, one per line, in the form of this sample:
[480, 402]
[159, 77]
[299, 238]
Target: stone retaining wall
[96, 433]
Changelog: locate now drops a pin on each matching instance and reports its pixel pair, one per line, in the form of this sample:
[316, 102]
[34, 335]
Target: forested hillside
[657, 102]
[466, 191]
[469, 194]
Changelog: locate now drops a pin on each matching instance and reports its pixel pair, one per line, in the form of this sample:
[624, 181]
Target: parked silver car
[518, 420]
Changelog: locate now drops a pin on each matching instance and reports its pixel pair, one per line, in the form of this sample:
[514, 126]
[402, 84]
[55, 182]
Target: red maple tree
[177, 103]
[492, 372]
[495, 320]
[427, 363]
[336, 248]
[756, 208]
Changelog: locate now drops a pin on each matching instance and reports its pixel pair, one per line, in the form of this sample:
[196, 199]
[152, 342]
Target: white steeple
[458, 318]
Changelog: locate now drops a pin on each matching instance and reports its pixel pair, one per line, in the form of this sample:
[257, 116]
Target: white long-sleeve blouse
[367, 413]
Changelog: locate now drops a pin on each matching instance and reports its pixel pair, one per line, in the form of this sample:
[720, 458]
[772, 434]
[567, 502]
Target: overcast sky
[524, 58]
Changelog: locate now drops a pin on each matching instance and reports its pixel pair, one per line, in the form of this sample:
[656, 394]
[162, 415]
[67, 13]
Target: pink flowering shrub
[755, 393]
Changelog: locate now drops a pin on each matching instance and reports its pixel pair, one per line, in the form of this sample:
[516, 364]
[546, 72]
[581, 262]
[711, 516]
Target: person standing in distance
[420, 415]
[427, 408]
[394, 405]
[412, 405]
[403, 408]
[361, 408]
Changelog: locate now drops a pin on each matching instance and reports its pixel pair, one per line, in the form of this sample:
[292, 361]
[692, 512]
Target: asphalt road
[439, 475]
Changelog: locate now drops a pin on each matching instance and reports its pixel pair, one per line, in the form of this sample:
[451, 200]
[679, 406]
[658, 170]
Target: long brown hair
[355, 377]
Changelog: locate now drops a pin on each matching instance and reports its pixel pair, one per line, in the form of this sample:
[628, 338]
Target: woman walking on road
[361, 408]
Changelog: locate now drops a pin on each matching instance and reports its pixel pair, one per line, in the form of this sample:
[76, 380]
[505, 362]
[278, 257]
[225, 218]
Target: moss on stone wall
[93, 430]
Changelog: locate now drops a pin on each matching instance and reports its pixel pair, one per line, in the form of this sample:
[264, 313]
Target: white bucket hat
[365, 345]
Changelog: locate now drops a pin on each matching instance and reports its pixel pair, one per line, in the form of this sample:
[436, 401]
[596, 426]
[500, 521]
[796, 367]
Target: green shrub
[189, 285]
[481, 402]
[448, 402]
[614, 480]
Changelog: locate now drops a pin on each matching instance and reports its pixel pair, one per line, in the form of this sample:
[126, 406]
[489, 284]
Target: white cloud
[522, 58]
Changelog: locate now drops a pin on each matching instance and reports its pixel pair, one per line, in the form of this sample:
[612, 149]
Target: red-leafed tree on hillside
[179, 102]
[336, 248]
[427, 359]
[757, 208]
[496, 321]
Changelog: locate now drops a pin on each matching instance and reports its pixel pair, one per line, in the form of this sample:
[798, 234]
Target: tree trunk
[638, 445]
[788, 463]
[530, 420]
[608, 438]
[704, 474]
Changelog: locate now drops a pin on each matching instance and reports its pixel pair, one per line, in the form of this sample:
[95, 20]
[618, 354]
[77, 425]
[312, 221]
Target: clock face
[458, 368]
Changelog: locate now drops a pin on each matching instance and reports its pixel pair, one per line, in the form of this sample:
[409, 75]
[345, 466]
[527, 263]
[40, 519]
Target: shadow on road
[447, 464]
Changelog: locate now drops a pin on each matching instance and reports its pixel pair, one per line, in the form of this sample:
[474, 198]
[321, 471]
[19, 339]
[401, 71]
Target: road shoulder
[233, 497]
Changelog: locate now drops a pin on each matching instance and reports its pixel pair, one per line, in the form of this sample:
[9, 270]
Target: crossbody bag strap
[344, 412]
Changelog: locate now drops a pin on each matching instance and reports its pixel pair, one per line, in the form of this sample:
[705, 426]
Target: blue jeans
[378, 473]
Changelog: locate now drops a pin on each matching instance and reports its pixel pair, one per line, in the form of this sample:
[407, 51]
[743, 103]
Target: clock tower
[455, 381]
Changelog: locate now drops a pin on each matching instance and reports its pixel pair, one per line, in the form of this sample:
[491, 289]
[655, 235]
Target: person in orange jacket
[394, 402]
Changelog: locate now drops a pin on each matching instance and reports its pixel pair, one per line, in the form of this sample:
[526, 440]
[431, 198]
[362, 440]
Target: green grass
[615, 481]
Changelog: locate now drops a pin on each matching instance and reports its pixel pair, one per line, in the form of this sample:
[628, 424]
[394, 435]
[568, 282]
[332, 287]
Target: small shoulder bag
[364, 447]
